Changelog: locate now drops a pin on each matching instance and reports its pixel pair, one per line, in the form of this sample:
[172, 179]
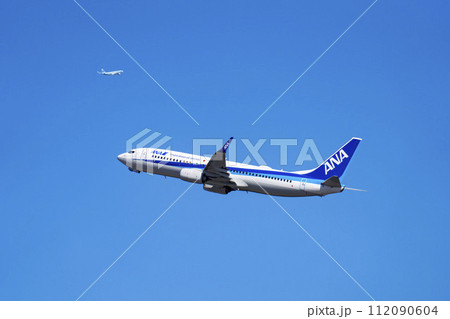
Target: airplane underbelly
[166, 170]
[151, 167]
[275, 188]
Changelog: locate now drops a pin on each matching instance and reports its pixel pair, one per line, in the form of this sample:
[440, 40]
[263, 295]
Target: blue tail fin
[336, 164]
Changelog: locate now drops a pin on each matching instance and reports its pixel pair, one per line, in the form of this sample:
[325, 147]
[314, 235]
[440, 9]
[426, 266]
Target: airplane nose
[122, 158]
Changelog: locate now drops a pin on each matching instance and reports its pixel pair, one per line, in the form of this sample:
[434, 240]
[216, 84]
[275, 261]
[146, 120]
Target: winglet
[224, 148]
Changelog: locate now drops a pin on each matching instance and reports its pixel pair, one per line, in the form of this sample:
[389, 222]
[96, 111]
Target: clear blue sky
[69, 208]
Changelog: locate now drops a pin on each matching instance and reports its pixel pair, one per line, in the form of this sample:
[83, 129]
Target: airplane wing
[217, 161]
[216, 171]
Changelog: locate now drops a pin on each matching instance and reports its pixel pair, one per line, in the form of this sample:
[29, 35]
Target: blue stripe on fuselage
[240, 171]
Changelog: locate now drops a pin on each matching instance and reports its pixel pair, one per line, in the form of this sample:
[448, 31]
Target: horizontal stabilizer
[333, 181]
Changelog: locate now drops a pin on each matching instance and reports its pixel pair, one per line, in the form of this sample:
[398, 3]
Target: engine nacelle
[191, 175]
[217, 189]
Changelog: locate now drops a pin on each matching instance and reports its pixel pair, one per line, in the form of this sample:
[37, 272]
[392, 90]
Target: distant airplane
[118, 72]
[221, 176]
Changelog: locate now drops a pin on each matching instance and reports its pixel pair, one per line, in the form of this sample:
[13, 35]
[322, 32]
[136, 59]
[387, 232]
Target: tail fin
[336, 164]
[103, 71]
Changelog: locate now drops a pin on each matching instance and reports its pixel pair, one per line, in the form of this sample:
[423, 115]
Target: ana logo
[336, 159]
[159, 153]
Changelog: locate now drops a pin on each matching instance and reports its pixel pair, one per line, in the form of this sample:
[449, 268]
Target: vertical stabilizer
[336, 164]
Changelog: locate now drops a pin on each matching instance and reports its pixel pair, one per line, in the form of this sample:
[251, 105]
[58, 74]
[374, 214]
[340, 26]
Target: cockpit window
[130, 152]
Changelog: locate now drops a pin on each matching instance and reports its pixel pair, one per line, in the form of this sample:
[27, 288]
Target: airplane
[103, 72]
[221, 176]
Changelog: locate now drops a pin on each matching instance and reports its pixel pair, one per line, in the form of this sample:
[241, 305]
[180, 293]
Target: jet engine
[217, 189]
[191, 175]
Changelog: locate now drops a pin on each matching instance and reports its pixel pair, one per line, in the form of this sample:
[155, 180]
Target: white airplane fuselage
[118, 72]
[237, 176]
